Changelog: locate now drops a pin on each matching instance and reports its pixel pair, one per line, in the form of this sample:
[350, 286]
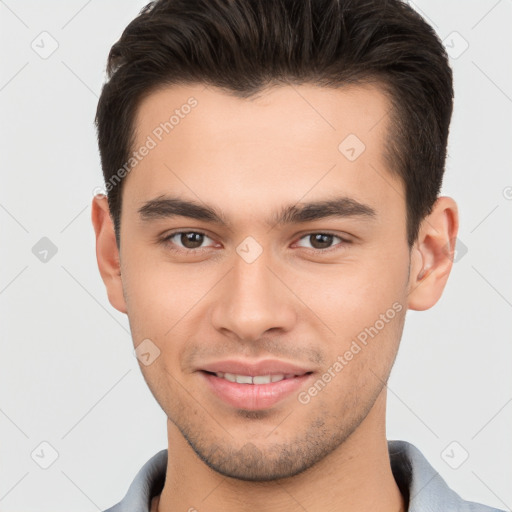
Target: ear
[107, 253]
[432, 254]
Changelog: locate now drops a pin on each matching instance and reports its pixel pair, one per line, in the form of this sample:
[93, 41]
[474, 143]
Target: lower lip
[253, 397]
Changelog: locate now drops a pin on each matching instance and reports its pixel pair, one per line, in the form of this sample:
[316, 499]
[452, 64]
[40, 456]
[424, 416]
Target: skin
[249, 158]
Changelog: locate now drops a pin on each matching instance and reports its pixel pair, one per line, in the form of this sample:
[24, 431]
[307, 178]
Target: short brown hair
[244, 46]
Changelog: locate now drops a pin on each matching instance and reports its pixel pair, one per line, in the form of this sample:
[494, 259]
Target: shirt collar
[421, 485]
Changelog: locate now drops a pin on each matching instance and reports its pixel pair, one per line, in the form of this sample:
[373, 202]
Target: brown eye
[321, 241]
[186, 240]
[191, 240]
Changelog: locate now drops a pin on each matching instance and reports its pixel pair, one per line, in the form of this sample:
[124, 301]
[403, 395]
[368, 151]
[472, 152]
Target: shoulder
[424, 486]
[148, 483]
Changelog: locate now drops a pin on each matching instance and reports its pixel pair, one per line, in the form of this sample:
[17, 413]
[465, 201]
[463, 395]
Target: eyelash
[166, 240]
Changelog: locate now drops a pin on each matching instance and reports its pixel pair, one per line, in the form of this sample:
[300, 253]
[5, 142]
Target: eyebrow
[165, 207]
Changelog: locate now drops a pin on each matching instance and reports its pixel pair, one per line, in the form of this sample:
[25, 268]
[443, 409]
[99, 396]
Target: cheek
[359, 365]
[351, 296]
[159, 294]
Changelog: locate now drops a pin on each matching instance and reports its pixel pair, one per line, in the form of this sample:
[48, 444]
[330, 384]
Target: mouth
[252, 387]
[256, 379]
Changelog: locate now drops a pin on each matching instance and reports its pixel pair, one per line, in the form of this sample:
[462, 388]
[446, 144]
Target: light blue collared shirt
[418, 481]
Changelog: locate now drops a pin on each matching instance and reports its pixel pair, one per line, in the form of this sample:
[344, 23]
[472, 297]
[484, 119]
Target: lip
[253, 397]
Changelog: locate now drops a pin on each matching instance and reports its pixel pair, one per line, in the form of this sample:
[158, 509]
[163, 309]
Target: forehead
[305, 110]
[290, 140]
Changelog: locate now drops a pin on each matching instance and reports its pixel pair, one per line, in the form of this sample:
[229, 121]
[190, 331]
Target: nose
[253, 300]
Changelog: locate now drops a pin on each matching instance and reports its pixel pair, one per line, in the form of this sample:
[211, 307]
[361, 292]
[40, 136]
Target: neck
[355, 477]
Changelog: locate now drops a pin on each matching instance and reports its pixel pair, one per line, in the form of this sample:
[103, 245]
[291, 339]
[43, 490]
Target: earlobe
[432, 255]
[107, 253]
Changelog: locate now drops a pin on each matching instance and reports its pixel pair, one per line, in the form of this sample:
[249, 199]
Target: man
[273, 170]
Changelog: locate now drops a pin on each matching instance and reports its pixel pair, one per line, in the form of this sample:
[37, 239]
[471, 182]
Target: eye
[322, 241]
[193, 241]
[186, 240]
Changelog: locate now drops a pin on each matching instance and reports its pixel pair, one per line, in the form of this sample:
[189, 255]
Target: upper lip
[252, 369]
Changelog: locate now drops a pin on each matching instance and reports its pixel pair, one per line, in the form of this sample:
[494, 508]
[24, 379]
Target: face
[264, 241]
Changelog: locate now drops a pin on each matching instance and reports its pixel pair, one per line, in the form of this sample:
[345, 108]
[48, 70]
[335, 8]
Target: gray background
[68, 376]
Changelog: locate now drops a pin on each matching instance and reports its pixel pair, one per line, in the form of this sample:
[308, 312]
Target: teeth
[257, 379]
[262, 379]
